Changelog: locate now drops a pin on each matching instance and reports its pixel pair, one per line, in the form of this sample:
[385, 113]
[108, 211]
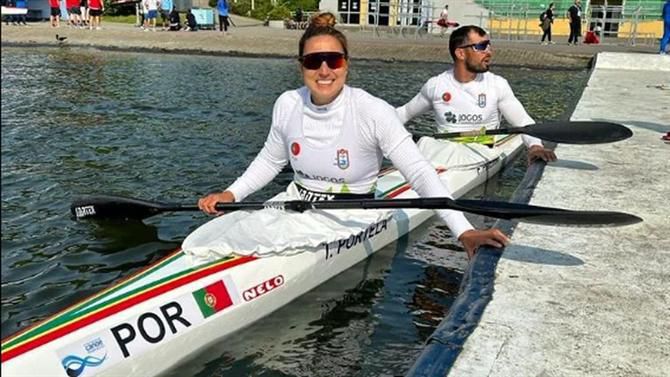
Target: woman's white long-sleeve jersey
[339, 148]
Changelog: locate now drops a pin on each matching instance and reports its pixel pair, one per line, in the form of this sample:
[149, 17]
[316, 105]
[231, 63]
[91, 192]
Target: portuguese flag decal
[213, 298]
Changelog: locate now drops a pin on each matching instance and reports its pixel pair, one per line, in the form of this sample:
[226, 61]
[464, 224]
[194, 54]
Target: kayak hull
[167, 313]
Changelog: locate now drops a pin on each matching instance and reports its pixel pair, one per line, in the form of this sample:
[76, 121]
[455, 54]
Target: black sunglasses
[479, 47]
[334, 60]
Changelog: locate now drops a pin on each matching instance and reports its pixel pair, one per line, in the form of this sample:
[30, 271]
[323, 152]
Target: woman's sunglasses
[334, 60]
[479, 47]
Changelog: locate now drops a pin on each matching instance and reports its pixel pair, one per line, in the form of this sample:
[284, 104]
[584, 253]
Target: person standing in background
[666, 28]
[575, 19]
[150, 16]
[83, 8]
[191, 23]
[547, 19]
[222, 8]
[96, 7]
[142, 11]
[54, 7]
[166, 8]
[74, 13]
[175, 22]
[21, 18]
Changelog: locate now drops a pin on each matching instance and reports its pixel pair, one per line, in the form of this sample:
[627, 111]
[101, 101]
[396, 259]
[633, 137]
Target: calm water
[172, 128]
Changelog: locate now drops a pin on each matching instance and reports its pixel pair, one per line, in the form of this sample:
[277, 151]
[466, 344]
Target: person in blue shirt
[21, 18]
[222, 7]
[666, 28]
[166, 9]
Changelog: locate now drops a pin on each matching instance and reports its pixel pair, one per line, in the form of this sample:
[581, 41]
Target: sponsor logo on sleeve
[263, 288]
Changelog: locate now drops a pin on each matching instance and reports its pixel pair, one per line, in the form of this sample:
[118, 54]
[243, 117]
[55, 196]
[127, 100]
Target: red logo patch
[446, 97]
[295, 149]
[263, 288]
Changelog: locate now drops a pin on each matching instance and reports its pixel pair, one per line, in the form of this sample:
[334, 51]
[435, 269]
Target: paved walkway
[251, 38]
[591, 301]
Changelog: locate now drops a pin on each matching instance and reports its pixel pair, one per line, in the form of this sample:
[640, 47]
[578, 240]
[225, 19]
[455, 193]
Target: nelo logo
[295, 149]
[446, 97]
[263, 288]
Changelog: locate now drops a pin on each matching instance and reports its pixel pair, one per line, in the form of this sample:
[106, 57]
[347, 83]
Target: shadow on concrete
[538, 255]
[646, 125]
[663, 128]
[572, 164]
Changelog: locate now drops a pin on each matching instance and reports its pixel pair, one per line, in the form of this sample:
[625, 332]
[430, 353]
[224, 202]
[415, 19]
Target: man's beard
[481, 68]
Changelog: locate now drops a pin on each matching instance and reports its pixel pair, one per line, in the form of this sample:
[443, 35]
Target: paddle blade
[114, 207]
[580, 132]
[545, 215]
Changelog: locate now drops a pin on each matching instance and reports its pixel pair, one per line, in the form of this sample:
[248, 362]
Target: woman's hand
[538, 152]
[208, 203]
[472, 239]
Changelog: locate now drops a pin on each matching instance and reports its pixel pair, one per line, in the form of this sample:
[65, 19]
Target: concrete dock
[591, 301]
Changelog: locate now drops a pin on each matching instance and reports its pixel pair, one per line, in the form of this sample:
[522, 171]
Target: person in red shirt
[74, 12]
[95, 9]
[54, 5]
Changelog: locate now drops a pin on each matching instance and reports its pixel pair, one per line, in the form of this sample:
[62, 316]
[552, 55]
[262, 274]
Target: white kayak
[159, 317]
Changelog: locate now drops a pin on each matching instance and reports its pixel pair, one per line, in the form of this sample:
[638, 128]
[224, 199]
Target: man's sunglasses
[479, 47]
[334, 60]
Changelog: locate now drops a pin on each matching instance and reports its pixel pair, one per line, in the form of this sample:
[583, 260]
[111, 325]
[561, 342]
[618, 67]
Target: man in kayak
[335, 138]
[469, 97]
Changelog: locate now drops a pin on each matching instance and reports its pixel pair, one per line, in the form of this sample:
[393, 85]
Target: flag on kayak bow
[213, 298]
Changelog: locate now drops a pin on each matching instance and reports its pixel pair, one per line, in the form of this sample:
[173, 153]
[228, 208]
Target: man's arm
[418, 105]
[513, 111]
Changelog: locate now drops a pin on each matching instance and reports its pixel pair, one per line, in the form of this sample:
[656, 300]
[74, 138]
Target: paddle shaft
[577, 132]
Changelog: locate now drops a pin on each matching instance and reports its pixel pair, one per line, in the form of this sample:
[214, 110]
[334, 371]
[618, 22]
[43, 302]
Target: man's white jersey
[469, 106]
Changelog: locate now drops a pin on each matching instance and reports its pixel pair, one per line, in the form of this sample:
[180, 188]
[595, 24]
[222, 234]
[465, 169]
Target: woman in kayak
[335, 138]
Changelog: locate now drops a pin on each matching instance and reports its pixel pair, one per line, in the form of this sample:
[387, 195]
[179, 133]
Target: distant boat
[13, 11]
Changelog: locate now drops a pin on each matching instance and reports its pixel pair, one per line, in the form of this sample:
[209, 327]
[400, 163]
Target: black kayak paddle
[579, 132]
[116, 207]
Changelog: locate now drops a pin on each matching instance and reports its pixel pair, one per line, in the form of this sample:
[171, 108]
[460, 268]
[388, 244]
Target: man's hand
[538, 152]
[472, 239]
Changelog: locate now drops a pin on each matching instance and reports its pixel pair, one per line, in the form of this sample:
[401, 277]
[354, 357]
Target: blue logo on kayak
[75, 365]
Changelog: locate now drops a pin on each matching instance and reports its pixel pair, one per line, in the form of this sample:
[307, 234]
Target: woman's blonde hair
[323, 24]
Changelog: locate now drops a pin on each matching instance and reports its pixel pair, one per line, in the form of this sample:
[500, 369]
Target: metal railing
[513, 21]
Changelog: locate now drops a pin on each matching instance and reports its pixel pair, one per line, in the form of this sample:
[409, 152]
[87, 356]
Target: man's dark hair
[460, 37]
